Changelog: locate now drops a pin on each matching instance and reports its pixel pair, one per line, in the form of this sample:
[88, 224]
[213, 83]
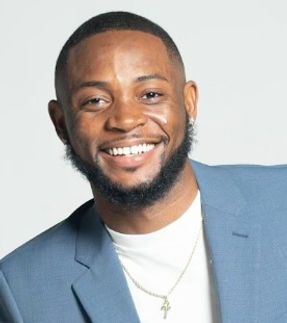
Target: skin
[124, 89]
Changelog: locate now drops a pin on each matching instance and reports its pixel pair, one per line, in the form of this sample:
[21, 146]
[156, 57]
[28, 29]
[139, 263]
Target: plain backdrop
[235, 50]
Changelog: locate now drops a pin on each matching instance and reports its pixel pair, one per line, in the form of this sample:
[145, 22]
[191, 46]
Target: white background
[235, 50]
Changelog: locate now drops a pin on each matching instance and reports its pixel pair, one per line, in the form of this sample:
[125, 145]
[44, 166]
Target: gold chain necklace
[166, 305]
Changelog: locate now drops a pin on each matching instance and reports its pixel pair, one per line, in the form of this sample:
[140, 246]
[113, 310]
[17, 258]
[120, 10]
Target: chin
[132, 177]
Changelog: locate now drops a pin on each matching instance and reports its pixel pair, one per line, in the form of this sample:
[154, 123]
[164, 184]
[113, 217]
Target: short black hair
[115, 20]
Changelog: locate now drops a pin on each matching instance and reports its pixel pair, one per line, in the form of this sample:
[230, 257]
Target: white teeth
[133, 150]
[126, 150]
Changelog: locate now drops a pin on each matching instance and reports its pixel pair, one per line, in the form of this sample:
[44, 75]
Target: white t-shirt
[155, 260]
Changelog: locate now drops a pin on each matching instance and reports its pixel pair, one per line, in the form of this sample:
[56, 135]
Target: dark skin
[124, 89]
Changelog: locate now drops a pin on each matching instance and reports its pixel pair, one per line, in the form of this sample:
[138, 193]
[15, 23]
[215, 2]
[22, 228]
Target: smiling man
[124, 116]
[137, 252]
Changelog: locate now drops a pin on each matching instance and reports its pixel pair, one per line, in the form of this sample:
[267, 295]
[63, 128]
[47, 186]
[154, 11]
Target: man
[138, 252]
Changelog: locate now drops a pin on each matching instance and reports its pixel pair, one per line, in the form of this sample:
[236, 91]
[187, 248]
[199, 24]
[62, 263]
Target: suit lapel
[233, 243]
[102, 289]
[233, 247]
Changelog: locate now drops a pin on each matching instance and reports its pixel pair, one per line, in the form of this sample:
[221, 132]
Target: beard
[144, 194]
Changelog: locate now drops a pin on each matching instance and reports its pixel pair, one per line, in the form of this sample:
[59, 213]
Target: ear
[57, 116]
[190, 99]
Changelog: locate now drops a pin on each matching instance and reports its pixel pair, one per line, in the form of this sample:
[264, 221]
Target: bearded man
[165, 238]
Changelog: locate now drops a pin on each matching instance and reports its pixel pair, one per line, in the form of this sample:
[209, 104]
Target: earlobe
[190, 99]
[58, 118]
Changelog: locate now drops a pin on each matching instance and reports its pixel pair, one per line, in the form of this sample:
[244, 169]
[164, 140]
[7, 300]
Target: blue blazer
[71, 272]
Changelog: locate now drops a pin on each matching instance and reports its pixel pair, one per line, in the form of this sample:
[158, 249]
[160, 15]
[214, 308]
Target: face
[126, 106]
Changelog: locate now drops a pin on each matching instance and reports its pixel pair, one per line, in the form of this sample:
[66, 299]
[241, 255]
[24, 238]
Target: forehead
[118, 51]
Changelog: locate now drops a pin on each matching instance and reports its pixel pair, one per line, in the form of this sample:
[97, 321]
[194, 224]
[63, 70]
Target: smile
[132, 150]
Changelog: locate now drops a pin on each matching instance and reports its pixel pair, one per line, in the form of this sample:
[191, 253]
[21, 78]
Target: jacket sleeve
[9, 312]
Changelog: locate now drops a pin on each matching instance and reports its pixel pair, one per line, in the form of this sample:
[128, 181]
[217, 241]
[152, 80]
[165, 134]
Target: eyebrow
[103, 84]
[151, 77]
[100, 84]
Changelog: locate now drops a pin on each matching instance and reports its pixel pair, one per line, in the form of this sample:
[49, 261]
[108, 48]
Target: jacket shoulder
[262, 187]
[47, 244]
[36, 278]
[246, 171]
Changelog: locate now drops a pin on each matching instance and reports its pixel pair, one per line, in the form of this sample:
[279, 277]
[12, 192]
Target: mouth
[133, 154]
[130, 150]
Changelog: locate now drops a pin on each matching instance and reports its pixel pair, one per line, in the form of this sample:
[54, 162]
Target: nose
[125, 116]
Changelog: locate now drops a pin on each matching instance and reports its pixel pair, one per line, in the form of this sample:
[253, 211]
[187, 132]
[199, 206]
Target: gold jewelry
[166, 305]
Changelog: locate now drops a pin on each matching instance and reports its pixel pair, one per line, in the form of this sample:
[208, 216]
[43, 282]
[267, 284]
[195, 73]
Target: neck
[154, 217]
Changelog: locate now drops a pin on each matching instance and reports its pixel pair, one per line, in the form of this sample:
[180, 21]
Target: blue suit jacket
[71, 273]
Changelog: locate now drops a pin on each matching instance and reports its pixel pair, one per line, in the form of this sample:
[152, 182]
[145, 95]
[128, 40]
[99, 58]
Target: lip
[129, 143]
[131, 161]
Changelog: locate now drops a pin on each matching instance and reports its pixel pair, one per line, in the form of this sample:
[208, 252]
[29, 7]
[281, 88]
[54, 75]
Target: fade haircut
[117, 20]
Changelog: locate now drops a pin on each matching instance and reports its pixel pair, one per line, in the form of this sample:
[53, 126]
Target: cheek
[83, 133]
[170, 119]
[158, 117]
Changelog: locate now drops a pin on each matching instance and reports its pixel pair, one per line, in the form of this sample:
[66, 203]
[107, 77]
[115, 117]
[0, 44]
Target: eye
[95, 101]
[152, 96]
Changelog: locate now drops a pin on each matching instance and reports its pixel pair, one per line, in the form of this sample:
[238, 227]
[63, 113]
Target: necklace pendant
[165, 307]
